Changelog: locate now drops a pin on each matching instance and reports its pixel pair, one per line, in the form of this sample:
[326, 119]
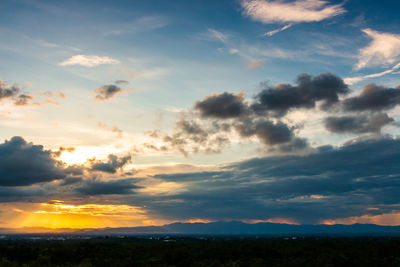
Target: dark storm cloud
[358, 124]
[295, 145]
[111, 165]
[262, 116]
[252, 119]
[114, 187]
[222, 106]
[268, 132]
[19, 194]
[327, 184]
[283, 97]
[106, 92]
[23, 163]
[374, 98]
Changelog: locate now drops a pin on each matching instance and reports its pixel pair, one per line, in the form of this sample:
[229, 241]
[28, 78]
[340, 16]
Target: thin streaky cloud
[248, 52]
[273, 32]
[356, 79]
[88, 61]
[267, 11]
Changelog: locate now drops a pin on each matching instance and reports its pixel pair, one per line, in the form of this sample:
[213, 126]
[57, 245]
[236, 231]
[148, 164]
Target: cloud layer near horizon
[357, 179]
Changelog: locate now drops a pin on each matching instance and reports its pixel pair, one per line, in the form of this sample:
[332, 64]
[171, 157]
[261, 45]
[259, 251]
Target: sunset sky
[146, 112]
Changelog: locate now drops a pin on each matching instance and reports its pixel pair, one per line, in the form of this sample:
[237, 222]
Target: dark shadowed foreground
[198, 251]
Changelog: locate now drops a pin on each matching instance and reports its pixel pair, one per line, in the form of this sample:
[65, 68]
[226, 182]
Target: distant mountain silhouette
[240, 228]
[224, 228]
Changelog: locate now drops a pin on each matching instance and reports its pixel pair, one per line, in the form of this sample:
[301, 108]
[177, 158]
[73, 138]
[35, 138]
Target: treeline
[116, 252]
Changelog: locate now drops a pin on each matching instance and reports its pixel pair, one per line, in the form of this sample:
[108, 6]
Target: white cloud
[384, 50]
[353, 80]
[270, 33]
[88, 61]
[271, 11]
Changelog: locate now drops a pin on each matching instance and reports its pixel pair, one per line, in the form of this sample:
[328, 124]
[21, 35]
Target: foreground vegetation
[115, 252]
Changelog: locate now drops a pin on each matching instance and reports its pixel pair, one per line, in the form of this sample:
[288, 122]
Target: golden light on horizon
[387, 219]
[58, 214]
[274, 220]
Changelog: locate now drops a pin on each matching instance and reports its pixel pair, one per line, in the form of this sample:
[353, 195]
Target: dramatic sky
[146, 112]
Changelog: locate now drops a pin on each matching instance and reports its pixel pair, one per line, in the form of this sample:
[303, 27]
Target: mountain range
[223, 228]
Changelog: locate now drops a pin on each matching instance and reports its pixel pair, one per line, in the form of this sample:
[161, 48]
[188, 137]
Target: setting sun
[78, 156]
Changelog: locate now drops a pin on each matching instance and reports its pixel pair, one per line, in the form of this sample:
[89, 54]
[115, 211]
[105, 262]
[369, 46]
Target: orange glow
[274, 220]
[388, 219]
[57, 214]
[199, 221]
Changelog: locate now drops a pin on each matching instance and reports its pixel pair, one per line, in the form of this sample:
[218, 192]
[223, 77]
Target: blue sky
[137, 91]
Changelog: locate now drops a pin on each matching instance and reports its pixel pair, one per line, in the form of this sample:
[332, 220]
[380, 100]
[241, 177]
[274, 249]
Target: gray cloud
[23, 163]
[118, 187]
[193, 129]
[106, 92]
[6, 92]
[358, 124]
[23, 100]
[74, 170]
[280, 98]
[374, 98]
[122, 82]
[261, 117]
[14, 93]
[25, 193]
[268, 132]
[222, 106]
[295, 145]
[111, 165]
[330, 183]
[190, 135]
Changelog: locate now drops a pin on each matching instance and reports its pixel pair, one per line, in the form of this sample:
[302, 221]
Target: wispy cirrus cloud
[356, 79]
[269, 11]
[383, 50]
[254, 54]
[88, 61]
[273, 32]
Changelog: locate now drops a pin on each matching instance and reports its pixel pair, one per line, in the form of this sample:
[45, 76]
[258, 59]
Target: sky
[134, 113]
